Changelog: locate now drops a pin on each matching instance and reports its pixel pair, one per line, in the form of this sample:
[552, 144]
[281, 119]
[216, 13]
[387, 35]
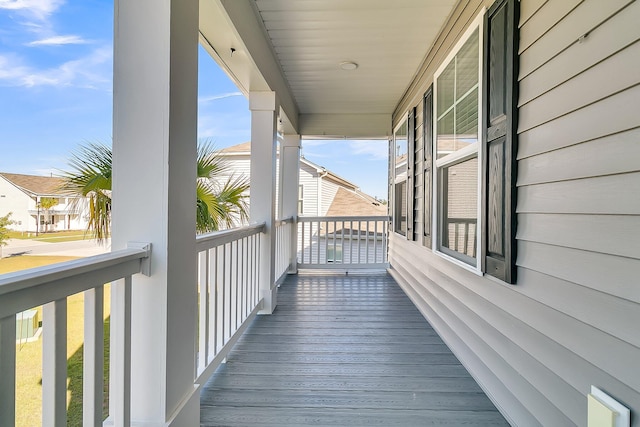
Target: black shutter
[499, 115]
[411, 144]
[427, 129]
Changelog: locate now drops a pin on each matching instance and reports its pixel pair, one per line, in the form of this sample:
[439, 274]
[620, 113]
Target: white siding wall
[18, 203]
[309, 181]
[572, 318]
[241, 164]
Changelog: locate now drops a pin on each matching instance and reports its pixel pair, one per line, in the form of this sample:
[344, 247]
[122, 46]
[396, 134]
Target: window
[400, 179]
[475, 140]
[300, 199]
[456, 153]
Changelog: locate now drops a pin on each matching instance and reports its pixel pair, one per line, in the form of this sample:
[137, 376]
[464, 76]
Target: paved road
[76, 248]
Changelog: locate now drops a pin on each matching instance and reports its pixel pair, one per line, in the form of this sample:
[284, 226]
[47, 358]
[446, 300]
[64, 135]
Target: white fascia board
[345, 126]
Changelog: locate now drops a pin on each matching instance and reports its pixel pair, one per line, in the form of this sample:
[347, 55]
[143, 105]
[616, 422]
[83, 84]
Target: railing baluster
[242, 261]
[93, 357]
[318, 236]
[54, 363]
[120, 354]
[250, 267]
[230, 292]
[224, 283]
[375, 242]
[366, 243]
[342, 243]
[455, 236]
[359, 240]
[245, 278]
[213, 303]
[237, 286]
[466, 237]
[326, 241]
[301, 246]
[256, 263]
[203, 324]
[351, 242]
[335, 258]
[385, 243]
[8, 371]
[221, 292]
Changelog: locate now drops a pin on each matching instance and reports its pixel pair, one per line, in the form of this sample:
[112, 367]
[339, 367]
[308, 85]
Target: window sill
[474, 269]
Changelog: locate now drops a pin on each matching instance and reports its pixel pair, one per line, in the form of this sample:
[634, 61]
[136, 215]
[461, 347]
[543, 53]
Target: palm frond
[90, 176]
[210, 163]
[221, 206]
[217, 205]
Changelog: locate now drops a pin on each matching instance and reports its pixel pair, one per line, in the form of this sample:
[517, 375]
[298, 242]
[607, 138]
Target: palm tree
[218, 205]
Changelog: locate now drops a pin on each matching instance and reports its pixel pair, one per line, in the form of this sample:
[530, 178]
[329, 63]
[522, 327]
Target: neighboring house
[21, 195]
[323, 193]
[317, 187]
[349, 241]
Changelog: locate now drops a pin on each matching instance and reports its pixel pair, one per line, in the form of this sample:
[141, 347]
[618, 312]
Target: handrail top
[344, 218]
[24, 279]
[284, 220]
[216, 238]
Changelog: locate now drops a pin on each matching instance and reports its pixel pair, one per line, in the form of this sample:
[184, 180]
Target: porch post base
[186, 415]
[270, 300]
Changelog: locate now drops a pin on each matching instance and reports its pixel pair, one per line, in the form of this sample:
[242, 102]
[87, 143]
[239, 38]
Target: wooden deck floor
[343, 351]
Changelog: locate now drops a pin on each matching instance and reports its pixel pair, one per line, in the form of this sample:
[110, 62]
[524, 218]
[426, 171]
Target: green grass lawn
[52, 237]
[29, 355]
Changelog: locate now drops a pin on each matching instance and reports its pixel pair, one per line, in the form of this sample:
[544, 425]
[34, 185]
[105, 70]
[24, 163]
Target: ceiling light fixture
[348, 65]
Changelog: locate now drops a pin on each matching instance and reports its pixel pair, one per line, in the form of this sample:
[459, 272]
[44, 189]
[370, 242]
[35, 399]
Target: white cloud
[11, 69]
[205, 99]
[376, 150]
[38, 9]
[59, 40]
[90, 71]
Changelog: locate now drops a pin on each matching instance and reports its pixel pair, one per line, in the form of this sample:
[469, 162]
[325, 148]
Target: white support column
[264, 120]
[154, 176]
[290, 179]
[54, 363]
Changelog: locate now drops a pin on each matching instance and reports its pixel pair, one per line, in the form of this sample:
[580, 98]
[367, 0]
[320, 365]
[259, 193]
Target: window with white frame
[300, 199]
[400, 179]
[456, 149]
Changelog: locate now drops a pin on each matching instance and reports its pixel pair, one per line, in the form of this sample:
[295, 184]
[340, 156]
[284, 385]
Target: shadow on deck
[343, 351]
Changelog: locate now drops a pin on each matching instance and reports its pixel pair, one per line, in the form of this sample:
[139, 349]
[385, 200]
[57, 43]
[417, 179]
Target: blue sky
[56, 92]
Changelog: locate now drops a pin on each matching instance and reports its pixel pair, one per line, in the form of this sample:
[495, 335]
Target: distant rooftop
[355, 203]
[34, 184]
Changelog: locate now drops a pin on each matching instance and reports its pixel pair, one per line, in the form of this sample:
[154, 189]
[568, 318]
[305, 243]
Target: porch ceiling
[296, 47]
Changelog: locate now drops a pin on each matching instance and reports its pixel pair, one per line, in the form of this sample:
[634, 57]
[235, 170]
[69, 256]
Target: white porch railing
[284, 234]
[345, 242]
[228, 292]
[50, 286]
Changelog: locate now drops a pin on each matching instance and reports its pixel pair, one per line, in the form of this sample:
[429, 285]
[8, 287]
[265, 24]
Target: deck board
[343, 350]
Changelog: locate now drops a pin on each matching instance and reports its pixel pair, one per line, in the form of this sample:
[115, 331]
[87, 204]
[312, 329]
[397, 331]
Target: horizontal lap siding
[571, 320]
[309, 181]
